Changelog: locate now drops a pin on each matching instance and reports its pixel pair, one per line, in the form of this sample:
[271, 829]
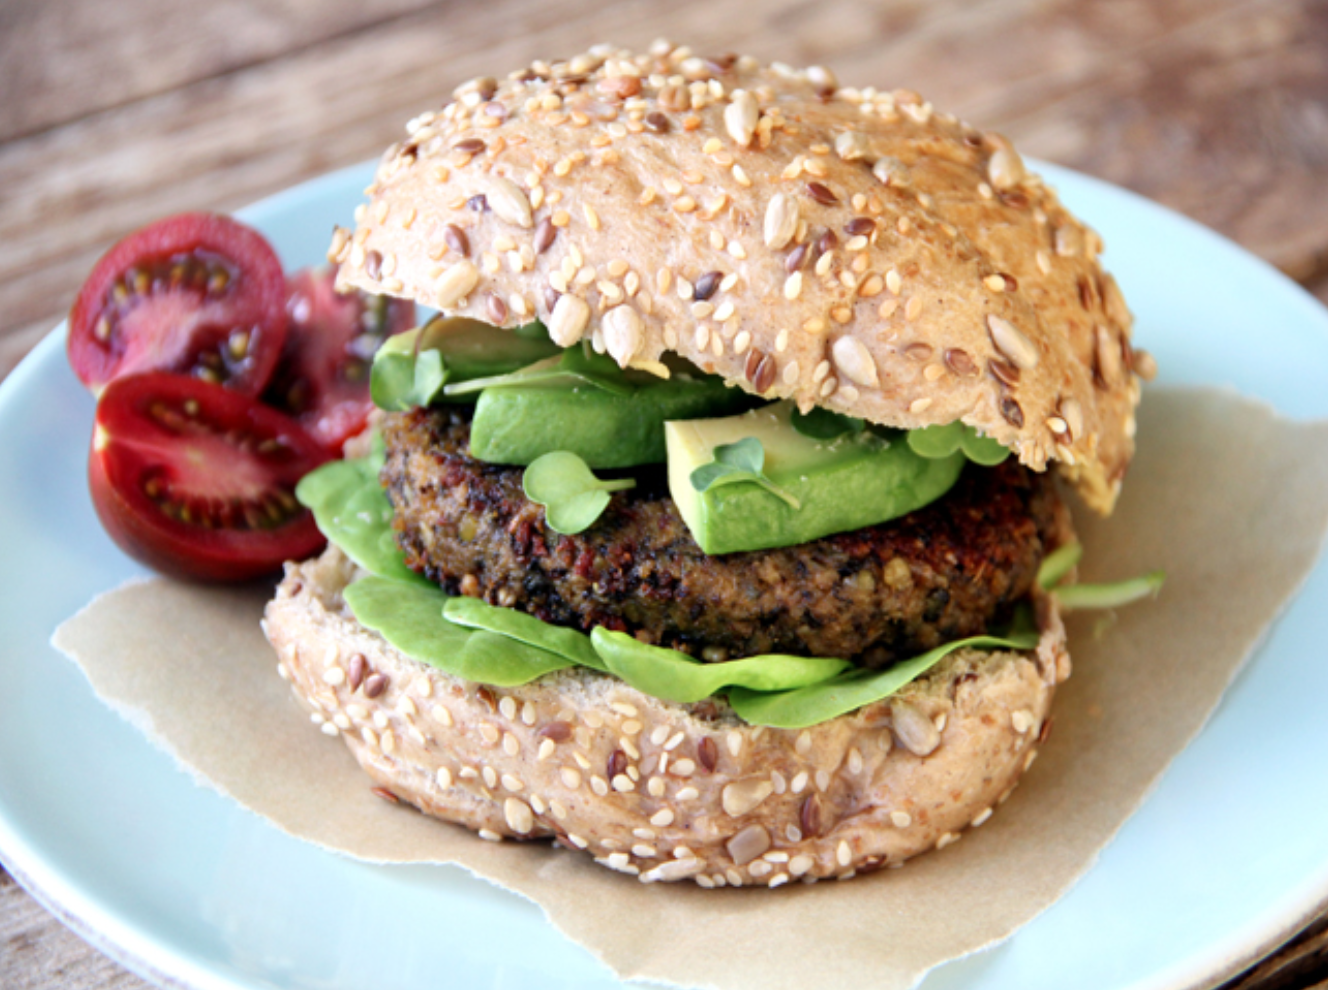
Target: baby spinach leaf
[577, 364]
[403, 376]
[1057, 564]
[738, 462]
[573, 498]
[822, 424]
[410, 617]
[568, 643]
[935, 442]
[850, 690]
[674, 676]
[1110, 595]
[352, 510]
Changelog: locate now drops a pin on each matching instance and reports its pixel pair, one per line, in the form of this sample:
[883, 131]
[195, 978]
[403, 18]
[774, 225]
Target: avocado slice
[621, 428]
[837, 485]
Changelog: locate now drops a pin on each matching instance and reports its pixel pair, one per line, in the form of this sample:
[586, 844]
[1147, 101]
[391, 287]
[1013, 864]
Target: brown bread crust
[665, 791]
[847, 248]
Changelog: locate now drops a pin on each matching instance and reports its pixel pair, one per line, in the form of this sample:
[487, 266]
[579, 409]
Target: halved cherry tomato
[198, 481]
[196, 293]
[323, 376]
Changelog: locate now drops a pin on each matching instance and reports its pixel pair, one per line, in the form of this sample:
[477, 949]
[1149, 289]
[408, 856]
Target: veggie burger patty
[952, 569]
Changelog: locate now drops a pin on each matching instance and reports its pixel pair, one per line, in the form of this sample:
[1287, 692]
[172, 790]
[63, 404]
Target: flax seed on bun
[842, 247]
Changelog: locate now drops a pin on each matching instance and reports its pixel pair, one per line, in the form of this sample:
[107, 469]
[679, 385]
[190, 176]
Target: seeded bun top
[846, 248]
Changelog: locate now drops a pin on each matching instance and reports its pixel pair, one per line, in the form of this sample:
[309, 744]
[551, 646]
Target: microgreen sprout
[737, 462]
[934, 442]
[573, 498]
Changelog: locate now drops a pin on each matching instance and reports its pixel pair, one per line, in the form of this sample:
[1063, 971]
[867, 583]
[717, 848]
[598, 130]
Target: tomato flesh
[198, 481]
[323, 376]
[197, 293]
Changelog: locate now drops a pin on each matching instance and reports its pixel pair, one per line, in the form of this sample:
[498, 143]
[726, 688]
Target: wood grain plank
[1216, 108]
[69, 58]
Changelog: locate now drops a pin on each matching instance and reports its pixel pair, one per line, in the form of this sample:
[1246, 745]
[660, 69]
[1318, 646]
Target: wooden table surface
[113, 114]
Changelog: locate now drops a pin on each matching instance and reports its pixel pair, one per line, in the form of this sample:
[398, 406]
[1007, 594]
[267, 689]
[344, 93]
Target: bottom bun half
[666, 791]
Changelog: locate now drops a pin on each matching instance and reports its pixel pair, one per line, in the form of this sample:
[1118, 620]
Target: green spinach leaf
[674, 676]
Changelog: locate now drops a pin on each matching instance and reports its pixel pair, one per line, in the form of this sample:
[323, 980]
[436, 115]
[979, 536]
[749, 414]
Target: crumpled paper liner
[1228, 498]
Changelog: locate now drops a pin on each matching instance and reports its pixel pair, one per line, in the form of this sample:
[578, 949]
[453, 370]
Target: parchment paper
[1230, 499]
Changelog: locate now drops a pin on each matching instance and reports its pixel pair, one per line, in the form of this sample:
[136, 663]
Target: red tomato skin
[124, 445]
[255, 302]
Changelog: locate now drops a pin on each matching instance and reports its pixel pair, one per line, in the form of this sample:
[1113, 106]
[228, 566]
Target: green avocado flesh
[845, 483]
[516, 424]
[479, 642]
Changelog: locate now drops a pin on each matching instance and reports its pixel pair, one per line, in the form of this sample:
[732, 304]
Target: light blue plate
[1229, 854]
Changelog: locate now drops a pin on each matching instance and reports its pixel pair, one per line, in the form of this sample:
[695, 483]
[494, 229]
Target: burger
[711, 527]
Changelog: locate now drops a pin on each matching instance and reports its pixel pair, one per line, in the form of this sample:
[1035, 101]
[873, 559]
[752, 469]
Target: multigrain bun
[846, 248]
[666, 791]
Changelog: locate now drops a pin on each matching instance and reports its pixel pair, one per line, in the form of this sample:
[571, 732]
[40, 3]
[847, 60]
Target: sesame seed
[901, 819]
[546, 749]
[507, 707]
[799, 782]
[510, 745]
[982, 816]
[662, 818]
[655, 786]
[512, 783]
[947, 839]
[688, 794]
[518, 815]
[490, 776]
[843, 854]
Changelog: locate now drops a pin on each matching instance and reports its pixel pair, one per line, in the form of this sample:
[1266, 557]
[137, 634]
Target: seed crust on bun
[665, 791]
[847, 248]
